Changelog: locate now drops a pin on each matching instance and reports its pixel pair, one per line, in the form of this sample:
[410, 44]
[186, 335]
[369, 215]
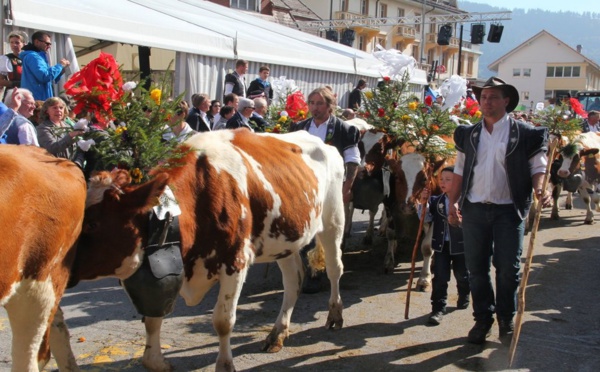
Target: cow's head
[569, 160]
[411, 175]
[115, 225]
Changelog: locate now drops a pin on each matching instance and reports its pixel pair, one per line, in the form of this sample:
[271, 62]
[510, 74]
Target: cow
[368, 189]
[584, 148]
[410, 175]
[42, 201]
[244, 198]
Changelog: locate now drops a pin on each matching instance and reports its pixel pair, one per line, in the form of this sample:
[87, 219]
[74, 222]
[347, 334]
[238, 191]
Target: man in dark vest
[499, 162]
[235, 81]
[336, 132]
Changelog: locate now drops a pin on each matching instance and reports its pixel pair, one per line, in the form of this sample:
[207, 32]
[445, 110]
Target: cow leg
[348, 213]
[368, 239]
[589, 217]
[555, 195]
[60, 344]
[569, 201]
[153, 360]
[29, 311]
[330, 239]
[292, 272]
[424, 282]
[389, 262]
[224, 315]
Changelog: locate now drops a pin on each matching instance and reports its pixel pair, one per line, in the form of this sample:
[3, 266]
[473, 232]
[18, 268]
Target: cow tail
[316, 257]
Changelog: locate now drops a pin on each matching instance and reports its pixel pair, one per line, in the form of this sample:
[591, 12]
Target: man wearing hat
[499, 162]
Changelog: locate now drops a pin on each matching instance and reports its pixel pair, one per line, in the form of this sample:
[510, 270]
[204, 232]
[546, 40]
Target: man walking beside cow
[499, 162]
[336, 132]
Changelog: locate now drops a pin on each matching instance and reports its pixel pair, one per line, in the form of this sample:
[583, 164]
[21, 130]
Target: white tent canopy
[207, 38]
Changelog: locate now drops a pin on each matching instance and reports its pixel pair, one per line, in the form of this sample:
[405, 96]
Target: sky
[577, 6]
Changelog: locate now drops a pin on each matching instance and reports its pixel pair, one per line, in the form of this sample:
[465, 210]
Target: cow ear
[586, 152]
[145, 196]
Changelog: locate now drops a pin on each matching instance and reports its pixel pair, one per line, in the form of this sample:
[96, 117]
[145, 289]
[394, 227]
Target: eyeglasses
[252, 108]
[45, 42]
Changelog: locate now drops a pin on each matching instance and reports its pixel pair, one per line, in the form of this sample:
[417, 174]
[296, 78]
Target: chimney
[579, 48]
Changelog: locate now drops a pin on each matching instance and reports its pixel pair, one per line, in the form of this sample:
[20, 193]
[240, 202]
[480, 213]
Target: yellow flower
[477, 114]
[369, 95]
[405, 118]
[282, 119]
[155, 95]
[413, 105]
[120, 130]
[136, 175]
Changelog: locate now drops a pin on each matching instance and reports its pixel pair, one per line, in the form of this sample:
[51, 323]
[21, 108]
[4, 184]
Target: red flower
[96, 87]
[395, 104]
[428, 100]
[380, 112]
[386, 79]
[296, 106]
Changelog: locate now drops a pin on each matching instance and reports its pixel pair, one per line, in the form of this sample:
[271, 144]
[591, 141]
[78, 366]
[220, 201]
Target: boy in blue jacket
[447, 244]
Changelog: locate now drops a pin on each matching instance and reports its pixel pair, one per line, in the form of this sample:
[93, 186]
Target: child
[447, 244]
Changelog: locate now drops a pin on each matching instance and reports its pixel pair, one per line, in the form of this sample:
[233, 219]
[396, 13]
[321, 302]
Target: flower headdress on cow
[288, 105]
[392, 108]
[130, 121]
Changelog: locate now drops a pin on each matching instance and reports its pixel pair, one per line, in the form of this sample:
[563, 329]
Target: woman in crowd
[215, 107]
[54, 134]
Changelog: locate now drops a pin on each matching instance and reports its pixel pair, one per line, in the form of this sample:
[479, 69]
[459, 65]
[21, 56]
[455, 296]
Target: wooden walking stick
[529, 258]
[414, 253]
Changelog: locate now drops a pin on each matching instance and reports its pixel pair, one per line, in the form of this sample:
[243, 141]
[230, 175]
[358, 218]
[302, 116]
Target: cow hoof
[568, 206]
[274, 341]
[334, 324]
[554, 217]
[367, 240]
[163, 366]
[271, 348]
[423, 287]
[589, 222]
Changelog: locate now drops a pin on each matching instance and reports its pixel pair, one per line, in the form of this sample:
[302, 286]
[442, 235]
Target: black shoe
[480, 331]
[507, 328]
[463, 302]
[435, 318]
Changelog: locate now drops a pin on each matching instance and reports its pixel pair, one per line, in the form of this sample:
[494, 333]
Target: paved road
[561, 330]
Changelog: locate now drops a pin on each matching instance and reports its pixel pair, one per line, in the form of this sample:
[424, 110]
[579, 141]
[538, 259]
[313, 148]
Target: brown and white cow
[585, 148]
[410, 173]
[244, 198]
[42, 201]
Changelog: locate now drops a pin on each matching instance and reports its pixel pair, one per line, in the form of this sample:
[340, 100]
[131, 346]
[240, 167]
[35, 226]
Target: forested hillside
[572, 28]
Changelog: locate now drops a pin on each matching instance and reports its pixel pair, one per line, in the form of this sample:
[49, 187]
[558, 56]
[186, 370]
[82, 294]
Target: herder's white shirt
[490, 181]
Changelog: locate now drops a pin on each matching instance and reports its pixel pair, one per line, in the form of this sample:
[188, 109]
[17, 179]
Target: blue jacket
[438, 212]
[38, 75]
[525, 141]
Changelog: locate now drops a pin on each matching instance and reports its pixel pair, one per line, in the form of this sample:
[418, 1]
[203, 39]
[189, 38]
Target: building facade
[415, 30]
[544, 67]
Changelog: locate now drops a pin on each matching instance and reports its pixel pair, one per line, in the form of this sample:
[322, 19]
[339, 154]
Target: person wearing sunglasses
[37, 74]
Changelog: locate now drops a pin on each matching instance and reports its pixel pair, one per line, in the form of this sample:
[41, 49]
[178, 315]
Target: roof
[296, 8]
[195, 27]
[494, 65]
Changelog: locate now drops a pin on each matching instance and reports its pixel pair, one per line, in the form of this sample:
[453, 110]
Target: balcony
[431, 42]
[370, 31]
[405, 34]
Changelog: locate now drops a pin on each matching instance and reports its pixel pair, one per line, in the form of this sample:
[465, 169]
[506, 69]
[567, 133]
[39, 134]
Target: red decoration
[386, 79]
[296, 106]
[96, 87]
[578, 108]
[428, 100]
[380, 112]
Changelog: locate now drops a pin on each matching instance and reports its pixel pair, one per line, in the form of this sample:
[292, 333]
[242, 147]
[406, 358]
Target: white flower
[394, 63]
[283, 113]
[82, 124]
[129, 86]
[85, 144]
